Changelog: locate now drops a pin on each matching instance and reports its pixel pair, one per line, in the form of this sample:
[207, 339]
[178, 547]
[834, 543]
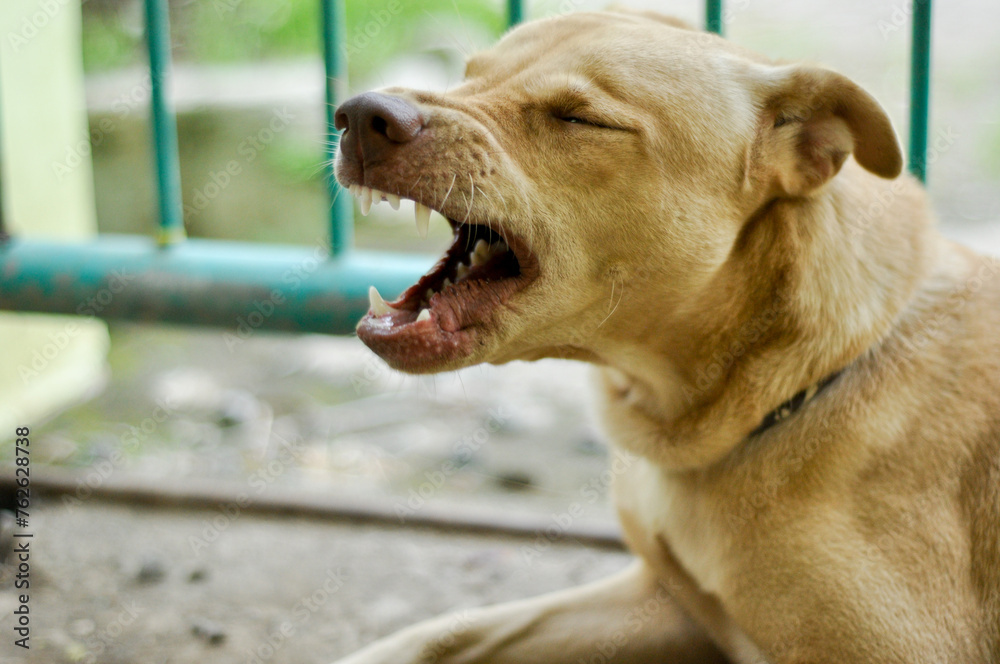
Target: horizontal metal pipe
[205, 494]
[240, 286]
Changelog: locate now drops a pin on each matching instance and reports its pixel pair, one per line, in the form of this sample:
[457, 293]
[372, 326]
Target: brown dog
[802, 378]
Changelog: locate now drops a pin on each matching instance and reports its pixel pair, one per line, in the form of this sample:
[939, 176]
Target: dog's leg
[628, 618]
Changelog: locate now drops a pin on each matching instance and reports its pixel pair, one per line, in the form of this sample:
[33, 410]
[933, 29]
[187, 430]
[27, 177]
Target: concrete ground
[133, 585]
[114, 584]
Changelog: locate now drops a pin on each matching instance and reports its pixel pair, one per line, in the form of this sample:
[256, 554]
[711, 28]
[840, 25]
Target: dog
[799, 376]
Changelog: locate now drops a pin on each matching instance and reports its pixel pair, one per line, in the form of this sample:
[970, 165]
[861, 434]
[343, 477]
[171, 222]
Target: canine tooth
[378, 306]
[480, 253]
[423, 215]
[366, 200]
[461, 271]
[393, 200]
[425, 314]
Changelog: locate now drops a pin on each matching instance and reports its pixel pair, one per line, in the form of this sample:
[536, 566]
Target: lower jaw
[415, 350]
[451, 328]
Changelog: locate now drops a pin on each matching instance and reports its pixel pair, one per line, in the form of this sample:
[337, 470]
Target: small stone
[152, 570]
[7, 523]
[515, 481]
[83, 627]
[238, 407]
[211, 632]
[198, 575]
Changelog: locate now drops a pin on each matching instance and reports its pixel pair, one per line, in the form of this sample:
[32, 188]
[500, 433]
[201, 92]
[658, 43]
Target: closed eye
[576, 119]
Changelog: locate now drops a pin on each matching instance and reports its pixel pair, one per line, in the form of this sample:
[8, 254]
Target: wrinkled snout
[374, 125]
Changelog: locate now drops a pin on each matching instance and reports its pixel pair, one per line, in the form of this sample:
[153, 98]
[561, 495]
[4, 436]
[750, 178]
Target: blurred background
[177, 406]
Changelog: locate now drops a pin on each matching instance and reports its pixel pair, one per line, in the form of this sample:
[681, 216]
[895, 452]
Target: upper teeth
[423, 215]
[369, 196]
[483, 252]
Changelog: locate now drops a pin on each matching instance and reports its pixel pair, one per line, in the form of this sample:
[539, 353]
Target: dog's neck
[809, 286]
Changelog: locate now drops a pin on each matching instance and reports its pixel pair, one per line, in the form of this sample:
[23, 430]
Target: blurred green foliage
[229, 31]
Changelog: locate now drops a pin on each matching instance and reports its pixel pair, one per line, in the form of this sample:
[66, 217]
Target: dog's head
[586, 159]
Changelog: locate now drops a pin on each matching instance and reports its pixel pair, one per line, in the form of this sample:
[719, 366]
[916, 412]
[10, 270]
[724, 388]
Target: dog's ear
[812, 119]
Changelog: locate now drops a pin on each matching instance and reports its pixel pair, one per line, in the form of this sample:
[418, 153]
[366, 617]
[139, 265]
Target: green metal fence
[220, 283]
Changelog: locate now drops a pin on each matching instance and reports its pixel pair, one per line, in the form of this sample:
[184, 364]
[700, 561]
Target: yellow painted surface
[46, 362]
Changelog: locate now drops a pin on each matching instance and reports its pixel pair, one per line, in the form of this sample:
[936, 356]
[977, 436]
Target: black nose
[374, 125]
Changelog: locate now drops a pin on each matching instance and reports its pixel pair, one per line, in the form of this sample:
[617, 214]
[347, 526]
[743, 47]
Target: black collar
[790, 407]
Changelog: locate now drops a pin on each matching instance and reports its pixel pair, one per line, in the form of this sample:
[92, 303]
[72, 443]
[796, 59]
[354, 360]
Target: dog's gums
[438, 317]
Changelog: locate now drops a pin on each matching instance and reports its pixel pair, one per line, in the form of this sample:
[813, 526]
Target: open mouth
[436, 321]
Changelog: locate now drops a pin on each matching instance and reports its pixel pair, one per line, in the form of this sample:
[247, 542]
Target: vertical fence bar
[515, 12]
[168, 170]
[3, 216]
[341, 205]
[713, 16]
[920, 87]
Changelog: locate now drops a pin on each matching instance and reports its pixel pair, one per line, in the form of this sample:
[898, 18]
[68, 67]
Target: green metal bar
[920, 87]
[713, 16]
[168, 169]
[515, 12]
[341, 205]
[240, 286]
[3, 210]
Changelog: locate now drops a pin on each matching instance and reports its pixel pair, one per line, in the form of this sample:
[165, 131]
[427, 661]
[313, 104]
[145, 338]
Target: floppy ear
[812, 120]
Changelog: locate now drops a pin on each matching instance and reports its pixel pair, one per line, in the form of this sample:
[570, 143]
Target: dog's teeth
[461, 271]
[393, 200]
[423, 215]
[425, 314]
[480, 253]
[429, 293]
[376, 197]
[366, 200]
[499, 248]
[355, 190]
[378, 306]
[445, 283]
